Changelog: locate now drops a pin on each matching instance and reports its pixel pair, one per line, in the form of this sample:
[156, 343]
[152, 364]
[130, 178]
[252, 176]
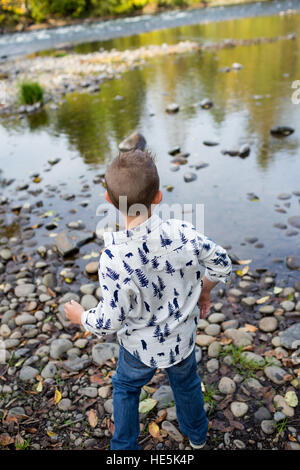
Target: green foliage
[210, 391]
[31, 92]
[242, 364]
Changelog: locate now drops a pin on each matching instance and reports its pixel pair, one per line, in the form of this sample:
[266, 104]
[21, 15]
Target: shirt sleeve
[218, 266]
[111, 312]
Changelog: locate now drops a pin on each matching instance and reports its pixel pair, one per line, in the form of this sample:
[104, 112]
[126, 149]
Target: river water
[86, 129]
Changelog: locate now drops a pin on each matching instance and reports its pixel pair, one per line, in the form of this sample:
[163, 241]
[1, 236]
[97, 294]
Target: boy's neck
[131, 222]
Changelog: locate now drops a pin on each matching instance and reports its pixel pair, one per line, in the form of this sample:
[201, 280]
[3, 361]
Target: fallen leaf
[93, 418]
[51, 433]
[162, 416]
[262, 300]
[147, 405]
[291, 398]
[225, 341]
[149, 389]
[244, 261]
[243, 271]
[57, 396]
[39, 387]
[5, 439]
[277, 290]
[292, 438]
[154, 430]
[250, 347]
[249, 327]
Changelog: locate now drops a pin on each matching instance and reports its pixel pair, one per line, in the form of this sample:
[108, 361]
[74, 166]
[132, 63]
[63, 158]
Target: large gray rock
[59, 347]
[65, 246]
[76, 364]
[239, 337]
[134, 141]
[172, 431]
[49, 371]
[102, 352]
[23, 290]
[290, 338]
[275, 374]
[164, 396]
[25, 319]
[28, 373]
[227, 386]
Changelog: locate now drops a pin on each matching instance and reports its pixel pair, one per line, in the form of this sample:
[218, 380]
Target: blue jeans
[132, 375]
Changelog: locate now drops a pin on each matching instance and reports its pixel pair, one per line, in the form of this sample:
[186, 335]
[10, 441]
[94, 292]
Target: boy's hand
[73, 311]
[204, 303]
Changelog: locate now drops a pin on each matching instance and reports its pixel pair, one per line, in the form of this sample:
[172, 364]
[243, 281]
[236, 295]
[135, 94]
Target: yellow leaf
[243, 271]
[262, 300]
[57, 396]
[39, 387]
[154, 430]
[249, 327]
[68, 280]
[51, 433]
[93, 418]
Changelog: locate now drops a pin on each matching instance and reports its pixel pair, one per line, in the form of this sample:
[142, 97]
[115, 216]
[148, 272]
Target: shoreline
[53, 23]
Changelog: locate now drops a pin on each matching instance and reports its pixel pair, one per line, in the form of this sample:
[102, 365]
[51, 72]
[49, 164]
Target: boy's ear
[107, 197]
[158, 197]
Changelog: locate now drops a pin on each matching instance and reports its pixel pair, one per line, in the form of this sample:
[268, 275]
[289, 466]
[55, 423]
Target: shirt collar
[135, 233]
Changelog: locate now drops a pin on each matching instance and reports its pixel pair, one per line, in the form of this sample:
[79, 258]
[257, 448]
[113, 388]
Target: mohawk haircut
[132, 174]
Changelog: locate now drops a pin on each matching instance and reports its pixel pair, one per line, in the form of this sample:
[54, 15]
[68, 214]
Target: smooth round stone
[281, 405]
[27, 373]
[108, 406]
[216, 318]
[262, 414]
[172, 108]
[24, 290]
[238, 408]
[88, 301]
[290, 338]
[293, 262]
[214, 349]
[81, 343]
[87, 289]
[266, 309]
[268, 426]
[172, 431]
[252, 357]
[164, 396]
[239, 337]
[90, 392]
[218, 306]
[268, 324]
[239, 444]
[49, 371]
[102, 352]
[202, 324]
[92, 267]
[104, 391]
[227, 386]
[275, 374]
[5, 254]
[212, 365]
[59, 347]
[25, 319]
[171, 413]
[278, 416]
[294, 221]
[213, 330]
[189, 176]
[288, 305]
[5, 331]
[249, 301]
[229, 324]
[235, 292]
[64, 404]
[253, 383]
[204, 340]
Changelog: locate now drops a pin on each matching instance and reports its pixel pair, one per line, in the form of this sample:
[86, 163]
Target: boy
[151, 287]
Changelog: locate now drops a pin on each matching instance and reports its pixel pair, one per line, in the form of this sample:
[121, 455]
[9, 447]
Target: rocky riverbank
[63, 72]
[55, 379]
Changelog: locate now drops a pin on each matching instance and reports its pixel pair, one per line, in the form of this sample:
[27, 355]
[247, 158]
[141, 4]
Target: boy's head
[133, 174]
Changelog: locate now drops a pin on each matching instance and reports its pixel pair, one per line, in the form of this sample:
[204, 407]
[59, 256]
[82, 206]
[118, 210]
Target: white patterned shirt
[151, 282]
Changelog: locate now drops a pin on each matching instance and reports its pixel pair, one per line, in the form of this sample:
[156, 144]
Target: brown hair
[132, 174]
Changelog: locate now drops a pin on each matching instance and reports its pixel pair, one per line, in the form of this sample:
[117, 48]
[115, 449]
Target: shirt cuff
[225, 278]
[83, 319]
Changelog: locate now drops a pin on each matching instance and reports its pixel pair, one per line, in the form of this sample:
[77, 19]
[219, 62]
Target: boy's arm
[218, 269]
[109, 315]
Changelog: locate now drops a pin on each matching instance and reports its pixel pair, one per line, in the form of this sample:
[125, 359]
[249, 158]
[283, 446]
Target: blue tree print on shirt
[127, 333]
[145, 247]
[157, 332]
[175, 303]
[206, 246]
[105, 287]
[169, 268]
[178, 339]
[177, 315]
[171, 357]
[109, 253]
[195, 247]
[167, 330]
[152, 320]
[116, 295]
[99, 322]
[161, 338]
[128, 255]
[165, 241]
[154, 262]
[144, 344]
[181, 273]
[143, 257]
[175, 292]
[191, 342]
[127, 267]
[198, 274]
[156, 291]
[183, 238]
[189, 263]
[153, 362]
[161, 283]
[170, 309]
[122, 315]
[142, 278]
[136, 355]
[107, 325]
[161, 354]
[196, 320]
[177, 349]
[126, 280]
[147, 306]
[112, 274]
[113, 304]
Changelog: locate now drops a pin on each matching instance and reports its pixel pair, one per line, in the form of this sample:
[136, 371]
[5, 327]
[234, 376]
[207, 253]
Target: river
[240, 195]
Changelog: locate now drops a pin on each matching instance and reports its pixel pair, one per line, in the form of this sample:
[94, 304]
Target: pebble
[59, 347]
[275, 374]
[88, 301]
[268, 426]
[64, 404]
[104, 351]
[281, 405]
[216, 318]
[204, 340]
[238, 409]
[27, 373]
[172, 431]
[164, 396]
[227, 386]
[214, 349]
[290, 338]
[266, 309]
[92, 267]
[268, 324]
[287, 305]
[49, 371]
[90, 392]
[25, 319]
[262, 414]
[24, 290]
[213, 330]
[212, 365]
[239, 338]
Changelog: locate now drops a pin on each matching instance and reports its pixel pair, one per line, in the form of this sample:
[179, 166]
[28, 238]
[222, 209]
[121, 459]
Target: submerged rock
[134, 141]
[282, 131]
[172, 108]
